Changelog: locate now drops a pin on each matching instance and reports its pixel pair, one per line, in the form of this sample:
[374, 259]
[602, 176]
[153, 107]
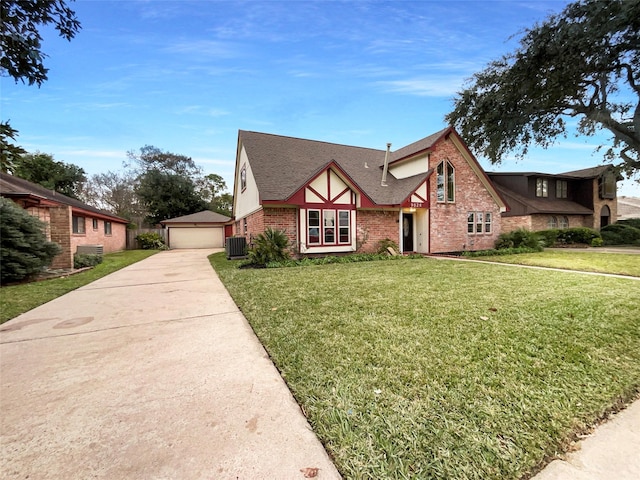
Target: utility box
[90, 250]
[236, 247]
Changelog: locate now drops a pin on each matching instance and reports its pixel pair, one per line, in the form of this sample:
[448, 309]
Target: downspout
[385, 169]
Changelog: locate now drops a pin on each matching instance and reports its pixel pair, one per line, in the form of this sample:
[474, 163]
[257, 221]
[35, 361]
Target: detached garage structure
[199, 230]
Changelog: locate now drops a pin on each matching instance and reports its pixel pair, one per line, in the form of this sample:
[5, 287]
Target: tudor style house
[539, 201]
[431, 196]
[70, 223]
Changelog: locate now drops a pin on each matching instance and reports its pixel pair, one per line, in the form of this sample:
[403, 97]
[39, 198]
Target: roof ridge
[311, 140]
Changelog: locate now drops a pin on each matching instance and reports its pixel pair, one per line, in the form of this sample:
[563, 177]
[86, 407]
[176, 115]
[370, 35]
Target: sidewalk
[149, 373]
[611, 452]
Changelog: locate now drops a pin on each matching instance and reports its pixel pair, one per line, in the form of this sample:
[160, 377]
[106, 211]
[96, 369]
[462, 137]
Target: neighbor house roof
[18, 188]
[206, 216]
[272, 155]
[546, 205]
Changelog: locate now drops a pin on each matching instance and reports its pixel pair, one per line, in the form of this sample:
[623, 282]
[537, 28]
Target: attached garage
[198, 230]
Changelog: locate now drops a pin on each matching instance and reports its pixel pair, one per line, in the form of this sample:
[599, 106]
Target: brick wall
[376, 225]
[509, 224]
[114, 242]
[60, 227]
[448, 221]
[284, 219]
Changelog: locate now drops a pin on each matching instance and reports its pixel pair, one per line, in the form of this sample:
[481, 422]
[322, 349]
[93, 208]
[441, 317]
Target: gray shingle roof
[206, 216]
[282, 165]
[11, 186]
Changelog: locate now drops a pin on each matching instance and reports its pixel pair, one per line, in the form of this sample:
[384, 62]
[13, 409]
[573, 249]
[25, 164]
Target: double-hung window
[479, 222]
[329, 226]
[107, 228]
[343, 227]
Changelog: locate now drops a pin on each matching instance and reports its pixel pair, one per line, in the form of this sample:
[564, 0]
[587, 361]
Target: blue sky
[185, 76]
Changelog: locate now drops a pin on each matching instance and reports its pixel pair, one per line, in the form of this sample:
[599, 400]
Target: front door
[407, 232]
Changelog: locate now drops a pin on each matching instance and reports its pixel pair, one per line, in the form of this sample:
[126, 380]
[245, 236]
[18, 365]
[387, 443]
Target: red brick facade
[448, 221]
[376, 225]
[60, 228]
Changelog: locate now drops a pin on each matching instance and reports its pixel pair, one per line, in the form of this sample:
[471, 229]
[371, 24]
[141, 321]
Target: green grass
[443, 369]
[587, 261]
[18, 299]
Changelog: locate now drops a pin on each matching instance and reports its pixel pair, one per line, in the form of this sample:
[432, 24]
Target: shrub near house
[24, 249]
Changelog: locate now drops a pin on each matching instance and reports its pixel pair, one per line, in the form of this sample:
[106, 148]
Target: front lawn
[576, 259]
[433, 368]
[18, 299]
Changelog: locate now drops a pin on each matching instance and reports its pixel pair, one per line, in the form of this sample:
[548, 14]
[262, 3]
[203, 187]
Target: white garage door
[210, 237]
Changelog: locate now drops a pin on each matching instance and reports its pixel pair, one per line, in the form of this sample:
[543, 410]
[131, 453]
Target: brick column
[60, 227]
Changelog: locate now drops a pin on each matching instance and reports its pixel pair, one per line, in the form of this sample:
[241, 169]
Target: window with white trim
[343, 226]
[445, 182]
[479, 222]
[328, 227]
[553, 222]
[313, 227]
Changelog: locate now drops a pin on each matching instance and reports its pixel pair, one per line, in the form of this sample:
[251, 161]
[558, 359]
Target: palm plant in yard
[270, 246]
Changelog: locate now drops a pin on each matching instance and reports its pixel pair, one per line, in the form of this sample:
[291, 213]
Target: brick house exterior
[69, 222]
[431, 196]
[539, 201]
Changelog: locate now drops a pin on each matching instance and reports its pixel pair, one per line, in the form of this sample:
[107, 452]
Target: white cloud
[434, 86]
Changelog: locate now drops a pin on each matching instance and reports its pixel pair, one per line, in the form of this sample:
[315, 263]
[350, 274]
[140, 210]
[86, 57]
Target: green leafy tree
[9, 153]
[213, 188]
[24, 248]
[41, 168]
[21, 54]
[152, 158]
[168, 195]
[583, 63]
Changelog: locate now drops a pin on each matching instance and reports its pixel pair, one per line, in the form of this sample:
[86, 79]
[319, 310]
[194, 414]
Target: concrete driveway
[149, 373]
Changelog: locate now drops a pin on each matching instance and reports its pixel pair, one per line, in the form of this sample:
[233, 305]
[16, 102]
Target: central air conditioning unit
[90, 250]
[236, 247]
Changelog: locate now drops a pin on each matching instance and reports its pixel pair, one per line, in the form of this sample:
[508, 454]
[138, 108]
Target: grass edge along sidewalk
[440, 369]
[17, 299]
[594, 261]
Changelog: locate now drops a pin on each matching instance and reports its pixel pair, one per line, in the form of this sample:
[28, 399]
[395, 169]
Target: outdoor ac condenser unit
[90, 249]
[236, 247]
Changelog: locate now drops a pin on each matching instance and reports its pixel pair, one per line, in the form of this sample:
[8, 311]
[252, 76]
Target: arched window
[605, 216]
[563, 222]
[446, 182]
[553, 222]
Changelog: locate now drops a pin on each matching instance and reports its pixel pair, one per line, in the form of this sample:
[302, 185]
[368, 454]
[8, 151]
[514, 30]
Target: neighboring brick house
[539, 201]
[70, 222]
[429, 197]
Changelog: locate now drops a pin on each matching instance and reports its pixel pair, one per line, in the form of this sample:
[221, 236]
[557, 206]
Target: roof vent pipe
[385, 169]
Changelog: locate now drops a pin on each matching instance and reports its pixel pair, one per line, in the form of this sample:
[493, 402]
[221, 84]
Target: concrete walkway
[612, 452]
[149, 373]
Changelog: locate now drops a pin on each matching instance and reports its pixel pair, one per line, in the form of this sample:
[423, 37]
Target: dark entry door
[407, 232]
